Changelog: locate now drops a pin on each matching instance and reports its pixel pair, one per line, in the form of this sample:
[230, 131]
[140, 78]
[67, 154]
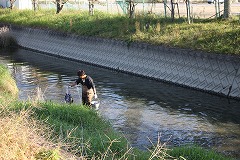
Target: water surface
[138, 107]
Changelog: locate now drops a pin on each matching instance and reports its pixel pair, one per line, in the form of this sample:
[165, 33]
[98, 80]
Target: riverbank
[210, 35]
[37, 129]
[76, 129]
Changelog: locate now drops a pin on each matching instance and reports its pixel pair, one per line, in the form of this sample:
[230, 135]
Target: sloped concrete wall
[208, 72]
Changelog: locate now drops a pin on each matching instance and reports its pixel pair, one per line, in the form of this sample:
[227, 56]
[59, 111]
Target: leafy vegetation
[94, 135]
[211, 35]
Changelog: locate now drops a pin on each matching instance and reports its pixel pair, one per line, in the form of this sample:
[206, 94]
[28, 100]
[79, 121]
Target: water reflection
[138, 107]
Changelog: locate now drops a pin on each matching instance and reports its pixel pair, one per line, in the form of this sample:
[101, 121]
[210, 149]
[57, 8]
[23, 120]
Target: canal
[138, 107]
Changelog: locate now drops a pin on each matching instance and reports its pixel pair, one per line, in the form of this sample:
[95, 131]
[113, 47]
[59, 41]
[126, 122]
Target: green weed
[211, 35]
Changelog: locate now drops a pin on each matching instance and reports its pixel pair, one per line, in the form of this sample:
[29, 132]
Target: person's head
[81, 74]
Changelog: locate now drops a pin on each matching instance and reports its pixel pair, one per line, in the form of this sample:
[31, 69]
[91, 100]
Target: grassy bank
[7, 85]
[46, 130]
[216, 36]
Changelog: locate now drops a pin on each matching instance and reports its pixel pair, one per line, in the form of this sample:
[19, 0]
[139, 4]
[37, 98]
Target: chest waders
[87, 95]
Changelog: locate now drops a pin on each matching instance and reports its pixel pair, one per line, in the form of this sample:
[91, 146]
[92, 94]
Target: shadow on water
[140, 107]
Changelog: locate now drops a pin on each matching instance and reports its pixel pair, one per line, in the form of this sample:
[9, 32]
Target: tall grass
[216, 36]
[8, 86]
[89, 134]
[195, 152]
[21, 135]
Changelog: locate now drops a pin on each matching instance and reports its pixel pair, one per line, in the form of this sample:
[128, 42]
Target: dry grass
[25, 138]
[159, 150]
[20, 136]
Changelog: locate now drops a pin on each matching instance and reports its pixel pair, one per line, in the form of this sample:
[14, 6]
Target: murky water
[138, 107]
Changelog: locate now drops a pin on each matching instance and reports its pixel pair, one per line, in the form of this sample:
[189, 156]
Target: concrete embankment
[219, 74]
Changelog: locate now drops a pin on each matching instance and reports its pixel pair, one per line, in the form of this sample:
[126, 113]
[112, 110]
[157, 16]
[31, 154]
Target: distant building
[19, 4]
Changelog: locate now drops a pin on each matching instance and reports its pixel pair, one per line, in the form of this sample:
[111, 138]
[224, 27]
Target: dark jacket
[88, 82]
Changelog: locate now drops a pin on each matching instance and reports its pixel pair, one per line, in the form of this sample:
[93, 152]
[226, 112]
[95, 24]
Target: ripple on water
[138, 107]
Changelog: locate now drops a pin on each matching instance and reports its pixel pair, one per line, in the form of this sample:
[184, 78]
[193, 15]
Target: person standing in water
[88, 87]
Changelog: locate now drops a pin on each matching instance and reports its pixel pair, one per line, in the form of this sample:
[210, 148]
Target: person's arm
[75, 83]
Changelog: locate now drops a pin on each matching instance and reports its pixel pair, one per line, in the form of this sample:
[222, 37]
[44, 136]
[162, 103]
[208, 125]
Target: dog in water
[68, 98]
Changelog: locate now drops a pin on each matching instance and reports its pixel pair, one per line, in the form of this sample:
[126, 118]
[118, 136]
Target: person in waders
[88, 87]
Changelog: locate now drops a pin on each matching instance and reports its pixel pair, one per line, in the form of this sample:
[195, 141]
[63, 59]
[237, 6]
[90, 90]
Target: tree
[172, 10]
[11, 3]
[91, 7]
[34, 4]
[188, 11]
[60, 4]
[227, 9]
[131, 8]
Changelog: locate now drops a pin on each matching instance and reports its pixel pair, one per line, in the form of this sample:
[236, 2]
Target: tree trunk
[172, 10]
[227, 9]
[131, 9]
[91, 8]
[188, 11]
[34, 5]
[59, 6]
[11, 3]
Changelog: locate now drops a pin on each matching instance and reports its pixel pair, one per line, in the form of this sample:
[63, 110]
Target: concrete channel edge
[213, 73]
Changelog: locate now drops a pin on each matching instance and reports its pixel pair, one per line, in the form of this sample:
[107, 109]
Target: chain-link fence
[202, 9]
